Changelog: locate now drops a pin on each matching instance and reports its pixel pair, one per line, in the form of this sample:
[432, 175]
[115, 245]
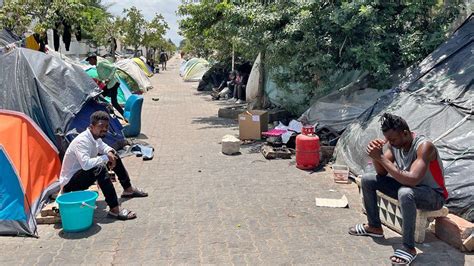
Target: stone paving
[208, 208]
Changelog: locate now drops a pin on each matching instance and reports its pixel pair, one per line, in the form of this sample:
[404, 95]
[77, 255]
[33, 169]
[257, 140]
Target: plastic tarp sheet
[339, 109]
[182, 68]
[251, 92]
[132, 69]
[436, 99]
[68, 60]
[44, 88]
[293, 97]
[7, 37]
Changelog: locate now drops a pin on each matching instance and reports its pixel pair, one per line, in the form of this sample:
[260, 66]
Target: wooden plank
[48, 219]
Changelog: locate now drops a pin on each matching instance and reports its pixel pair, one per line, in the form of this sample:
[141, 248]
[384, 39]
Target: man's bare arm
[425, 154]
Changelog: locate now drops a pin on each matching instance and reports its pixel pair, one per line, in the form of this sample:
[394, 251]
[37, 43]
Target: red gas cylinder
[307, 150]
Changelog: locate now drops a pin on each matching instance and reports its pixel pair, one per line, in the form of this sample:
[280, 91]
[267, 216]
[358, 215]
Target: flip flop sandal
[359, 230]
[123, 215]
[404, 255]
[137, 193]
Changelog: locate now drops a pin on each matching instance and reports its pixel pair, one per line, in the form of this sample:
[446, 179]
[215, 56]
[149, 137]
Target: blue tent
[81, 121]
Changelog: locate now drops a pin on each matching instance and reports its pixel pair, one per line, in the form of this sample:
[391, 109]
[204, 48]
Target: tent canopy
[195, 69]
[144, 67]
[132, 69]
[7, 37]
[44, 88]
[436, 99]
[30, 169]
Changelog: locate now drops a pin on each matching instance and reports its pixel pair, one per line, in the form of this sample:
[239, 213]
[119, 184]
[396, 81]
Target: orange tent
[30, 169]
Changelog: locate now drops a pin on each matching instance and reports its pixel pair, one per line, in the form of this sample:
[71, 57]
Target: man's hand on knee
[112, 159]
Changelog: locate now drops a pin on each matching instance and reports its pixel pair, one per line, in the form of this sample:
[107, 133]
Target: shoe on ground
[239, 102]
[232, 100]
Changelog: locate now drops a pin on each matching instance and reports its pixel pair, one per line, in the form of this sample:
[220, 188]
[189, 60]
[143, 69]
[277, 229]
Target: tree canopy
[309, 42]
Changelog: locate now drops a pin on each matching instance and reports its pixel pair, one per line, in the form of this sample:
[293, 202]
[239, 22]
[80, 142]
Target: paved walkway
[208, 208]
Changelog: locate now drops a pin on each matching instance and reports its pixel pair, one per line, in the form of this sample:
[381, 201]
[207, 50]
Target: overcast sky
[149, 8]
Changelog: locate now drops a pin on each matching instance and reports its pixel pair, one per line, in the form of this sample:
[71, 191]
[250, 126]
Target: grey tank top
[404, 161]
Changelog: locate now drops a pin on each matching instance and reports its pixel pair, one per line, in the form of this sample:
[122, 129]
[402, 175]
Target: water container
[77, 210]
[369, 169]
[307, 151]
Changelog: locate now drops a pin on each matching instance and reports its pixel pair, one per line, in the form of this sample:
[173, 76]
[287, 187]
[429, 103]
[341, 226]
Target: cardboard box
[252, 124]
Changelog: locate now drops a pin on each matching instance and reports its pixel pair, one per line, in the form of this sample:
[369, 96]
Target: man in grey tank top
[409, 170]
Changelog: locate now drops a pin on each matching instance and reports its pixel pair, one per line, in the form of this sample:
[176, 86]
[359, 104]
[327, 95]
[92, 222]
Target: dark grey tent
[45, 88]
[7, 37]
[436, 99]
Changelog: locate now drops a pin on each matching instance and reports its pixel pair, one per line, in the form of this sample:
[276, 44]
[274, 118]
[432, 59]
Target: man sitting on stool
[82, 166]
[411, 171]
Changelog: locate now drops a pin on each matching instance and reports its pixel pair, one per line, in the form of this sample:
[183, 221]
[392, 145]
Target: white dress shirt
[83, 153]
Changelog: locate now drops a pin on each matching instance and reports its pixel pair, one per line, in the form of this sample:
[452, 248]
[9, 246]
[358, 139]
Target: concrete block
[230, 145]
[453, 230]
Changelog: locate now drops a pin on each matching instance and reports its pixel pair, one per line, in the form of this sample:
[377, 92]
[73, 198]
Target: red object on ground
[274, 133]
[307, 130]
[307, 151]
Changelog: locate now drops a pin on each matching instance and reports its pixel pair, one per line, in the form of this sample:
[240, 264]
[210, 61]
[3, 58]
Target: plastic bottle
[369, 169]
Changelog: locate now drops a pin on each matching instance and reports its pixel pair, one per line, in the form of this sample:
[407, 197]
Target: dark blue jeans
[410, 198]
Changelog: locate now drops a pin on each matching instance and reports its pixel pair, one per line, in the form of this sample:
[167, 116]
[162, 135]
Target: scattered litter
[155, 99]
[146, 151]
[270, 152]
[199, 171]
[332, 190]
[291, 215]
[292, 128]
[248, 141]
[333, 203]
[238, 225]
[341, 174]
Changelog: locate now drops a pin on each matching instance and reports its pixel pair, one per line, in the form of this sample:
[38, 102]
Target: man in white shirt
[86, 161]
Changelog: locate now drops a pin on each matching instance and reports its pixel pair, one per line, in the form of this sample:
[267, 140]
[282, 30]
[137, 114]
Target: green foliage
[314, 41]
[133, 27]
[83, 15]
[155, 31]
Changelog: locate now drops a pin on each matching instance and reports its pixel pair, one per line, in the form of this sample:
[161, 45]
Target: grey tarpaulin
[7, 37]
[339, 108]
[436, 99]
[45, 88]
